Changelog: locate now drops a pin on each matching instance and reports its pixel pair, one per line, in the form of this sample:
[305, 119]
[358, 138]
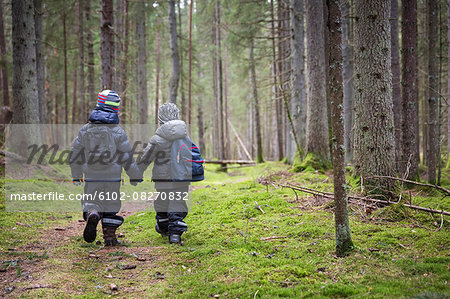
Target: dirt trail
[61, 263]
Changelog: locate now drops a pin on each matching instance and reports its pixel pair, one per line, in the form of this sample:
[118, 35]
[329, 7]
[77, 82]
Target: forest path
[57, 261]
[60, 263]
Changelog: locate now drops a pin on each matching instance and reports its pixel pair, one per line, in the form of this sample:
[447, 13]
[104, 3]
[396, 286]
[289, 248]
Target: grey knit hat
[168, 112]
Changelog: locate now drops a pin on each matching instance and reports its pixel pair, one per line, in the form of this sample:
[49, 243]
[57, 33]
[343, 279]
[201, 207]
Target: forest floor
[234, 249]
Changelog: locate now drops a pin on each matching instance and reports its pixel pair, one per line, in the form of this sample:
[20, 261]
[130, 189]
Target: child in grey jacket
[170, 206]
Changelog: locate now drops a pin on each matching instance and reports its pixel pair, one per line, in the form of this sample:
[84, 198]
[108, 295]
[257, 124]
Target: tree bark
[189, 118]
[283, 70]
[275, 89]
[448, 79]
[347, 77]
[226, 109]
[107, 44]
[342, 227]
[91, 62]
[4, 71]
[124, 66]
[423, 78]
[201, 130]
[410, 106]
[25, 90]
[74, 97]
[180, 47]
[175, 78]
[396, 91]
[81, 99]
[118, 27]
[39, 64]
[317, 141]
[158, 67]
[374, 120]
[219, 77]
[298, 95]
[259, 150]
[141, 67]
[66, 89]
[433, 86]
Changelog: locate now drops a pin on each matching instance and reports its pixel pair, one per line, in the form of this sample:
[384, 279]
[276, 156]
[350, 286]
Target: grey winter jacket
[158, 151]
[79, 162]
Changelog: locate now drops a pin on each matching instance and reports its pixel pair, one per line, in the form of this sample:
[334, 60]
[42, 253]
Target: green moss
[226, 252]
[311, 161]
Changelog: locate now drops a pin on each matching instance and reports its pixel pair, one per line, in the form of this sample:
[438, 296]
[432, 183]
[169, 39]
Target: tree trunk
[275, 88]
[118, 27]
[374, 120]
[141, 67]
[226, 109]
[448, 79]
[39, 64]
[423, 78]
[4, 71]
[107, 44]
[214, 115]
[124, 67]
[433, 86]
[283, 34]
[396, 92]
[74, 97]
[259, 150]
[180, 47]
[347, 77]
[158, 66]
[189, 118]
[343, 233]
[81, 99]
[298, 95]
[201, 126]
[66, 89]
[92, 95]
[175, 78]
[25, 90]
[317, 141]
[410, 105]
[219, 76]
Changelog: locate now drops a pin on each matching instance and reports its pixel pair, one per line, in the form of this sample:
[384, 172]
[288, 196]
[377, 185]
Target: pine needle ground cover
[245, 240]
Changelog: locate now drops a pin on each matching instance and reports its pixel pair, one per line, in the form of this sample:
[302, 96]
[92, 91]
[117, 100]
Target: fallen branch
[357, 198]
[446, 191]
[38, 286]
[273, 238]
[259, 207]
[12, 156]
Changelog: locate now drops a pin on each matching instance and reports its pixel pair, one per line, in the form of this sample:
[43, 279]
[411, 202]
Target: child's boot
[90, 231]
[109, 235]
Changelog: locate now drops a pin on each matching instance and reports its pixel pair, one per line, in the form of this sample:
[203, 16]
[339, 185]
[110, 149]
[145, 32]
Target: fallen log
[230, 161]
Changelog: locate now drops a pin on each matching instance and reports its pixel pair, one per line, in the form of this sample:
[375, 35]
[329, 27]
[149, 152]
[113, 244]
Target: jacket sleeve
[147, 156]
[76, 157]
[126, 159]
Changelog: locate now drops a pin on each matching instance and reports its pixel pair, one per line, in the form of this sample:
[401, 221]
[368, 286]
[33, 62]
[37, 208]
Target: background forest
[240, 71]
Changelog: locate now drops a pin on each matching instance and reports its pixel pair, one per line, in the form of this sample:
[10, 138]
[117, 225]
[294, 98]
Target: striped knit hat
[110, 99]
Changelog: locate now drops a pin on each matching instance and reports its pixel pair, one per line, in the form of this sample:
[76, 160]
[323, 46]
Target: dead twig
[259, 207]
[442, 189]
[357, 198]
[273, 238]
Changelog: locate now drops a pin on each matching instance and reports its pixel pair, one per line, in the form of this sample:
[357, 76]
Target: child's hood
[172, 130]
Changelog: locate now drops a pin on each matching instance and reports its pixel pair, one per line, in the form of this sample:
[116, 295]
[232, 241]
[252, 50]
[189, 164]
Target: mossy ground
[398, 252]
